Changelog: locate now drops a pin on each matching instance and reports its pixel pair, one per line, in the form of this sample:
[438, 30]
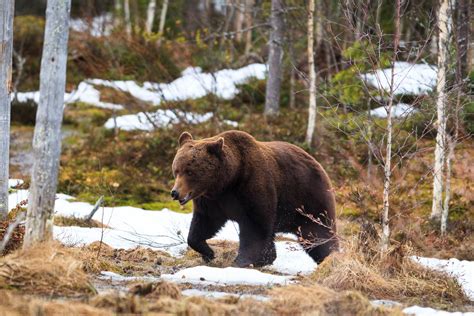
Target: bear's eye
[189, 173]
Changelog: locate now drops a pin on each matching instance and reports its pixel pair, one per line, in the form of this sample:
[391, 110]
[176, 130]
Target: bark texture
[272, 93]
[150, 16]
[161, 28]
[312, 75]
[444, 25]
[128, 22]
[6, 48]
[388, 158]
[47, 136]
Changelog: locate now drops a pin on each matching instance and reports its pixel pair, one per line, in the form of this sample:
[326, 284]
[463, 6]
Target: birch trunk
[150, 16]
[388, 158]
[440, 147]
[128, 23]
[6, 48]
[249, 4]
[239, 19]
[161, 28]
[272, 93]
[449, 159]
[312, 75]
[47, 136]
[117, 12]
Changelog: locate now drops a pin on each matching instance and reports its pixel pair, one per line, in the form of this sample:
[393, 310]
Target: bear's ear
[216, 147]
[184, 138]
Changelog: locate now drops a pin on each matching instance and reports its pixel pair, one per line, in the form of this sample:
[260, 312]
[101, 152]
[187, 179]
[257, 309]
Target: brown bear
[266, 187]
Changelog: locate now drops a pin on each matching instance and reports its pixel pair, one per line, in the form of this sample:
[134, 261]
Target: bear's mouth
[185, 199]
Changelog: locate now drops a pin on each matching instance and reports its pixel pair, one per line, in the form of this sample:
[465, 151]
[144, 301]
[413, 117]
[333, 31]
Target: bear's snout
[174, 194]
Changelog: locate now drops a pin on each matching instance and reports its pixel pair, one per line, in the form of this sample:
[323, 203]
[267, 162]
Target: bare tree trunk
[319, 37]
[161, 28]
[388, 158]
[128, 23]
[292, 70]
[239, 19]
[444, 216]
[249, 4]
[462, 40]
[7, 8]
[463, 16]
[312, 75]
[444, 25]
[117, 12]
[470, 45]
[272, 93]
[150, 16]
[47, 136]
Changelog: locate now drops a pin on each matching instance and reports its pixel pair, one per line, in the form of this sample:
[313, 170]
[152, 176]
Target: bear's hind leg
[317, 241]
[256, 248]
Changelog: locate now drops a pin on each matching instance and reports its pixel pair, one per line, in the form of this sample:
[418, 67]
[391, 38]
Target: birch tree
[249, 4]
[161, 28]
[275, 56]
[388, 155]
[128, 22]
[312, 75]
[6, 48]
[47, 135]
[150, 16]
[117, 12]
[444, 26]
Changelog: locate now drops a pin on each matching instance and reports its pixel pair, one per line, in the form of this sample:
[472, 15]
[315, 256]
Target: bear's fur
[259, 185]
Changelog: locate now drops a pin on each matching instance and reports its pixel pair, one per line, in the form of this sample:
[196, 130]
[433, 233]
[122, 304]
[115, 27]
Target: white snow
[14, 182]
[398, 110]
[161, 118]
[85, 92]
[292, 259]
[427, 311]
[409, 79]
[115, 277]
[462, 270]
[99, 25]
[225, 276]
[193, 84]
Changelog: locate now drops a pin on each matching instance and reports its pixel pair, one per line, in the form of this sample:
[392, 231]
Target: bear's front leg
[202, 228]
[256, 248]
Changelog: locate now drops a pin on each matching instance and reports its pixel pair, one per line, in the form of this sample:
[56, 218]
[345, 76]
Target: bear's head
[197, 168]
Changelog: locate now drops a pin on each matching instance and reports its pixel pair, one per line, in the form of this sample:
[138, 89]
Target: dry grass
[16, 239]
[318, 300]
[60, 220]
[137, 261]
[47, 269]
[393, 276]
[14, 304]
[225, 252]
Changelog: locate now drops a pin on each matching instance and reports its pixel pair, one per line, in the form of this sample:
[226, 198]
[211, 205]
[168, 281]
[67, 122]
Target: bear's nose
[174, 194]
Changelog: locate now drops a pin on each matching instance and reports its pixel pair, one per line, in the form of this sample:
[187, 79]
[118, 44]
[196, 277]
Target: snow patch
[85, 92]
[409, 79]
[462, 270]
[100, 25]
[161, 118]
[398, 110]
[115, 277]
[226, 276]
[427, 311]
[193, 84]
[292, 259]
[14, 182]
